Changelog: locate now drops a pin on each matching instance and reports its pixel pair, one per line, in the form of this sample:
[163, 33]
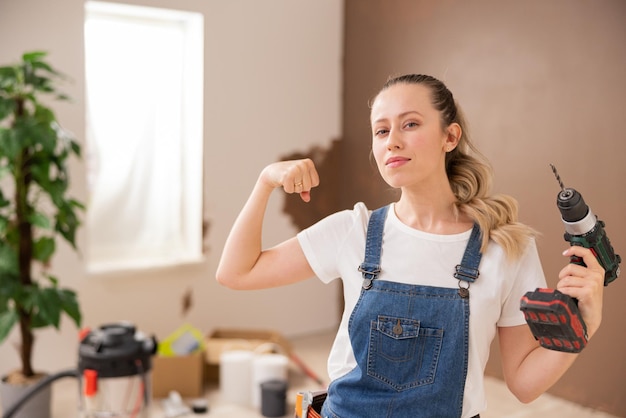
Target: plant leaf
[4, 223]
[43, 249]
[7, 106]
[67, 222]
[47, 304]
[10, 144]
[76, 204]
[75, 146]
[8, 260]
[9, 285]
[69, 304]
[8, 319]
[34, 56]
[40, 220]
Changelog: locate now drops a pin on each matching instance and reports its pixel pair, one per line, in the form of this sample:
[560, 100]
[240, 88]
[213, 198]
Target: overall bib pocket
[402, 353]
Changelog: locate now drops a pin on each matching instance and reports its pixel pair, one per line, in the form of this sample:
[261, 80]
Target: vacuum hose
[36, 388]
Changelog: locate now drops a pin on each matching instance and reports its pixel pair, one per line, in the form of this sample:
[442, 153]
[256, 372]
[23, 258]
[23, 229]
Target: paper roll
[235, 376]
[267, 367]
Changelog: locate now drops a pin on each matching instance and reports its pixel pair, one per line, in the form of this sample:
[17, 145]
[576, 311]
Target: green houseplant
[34, 205]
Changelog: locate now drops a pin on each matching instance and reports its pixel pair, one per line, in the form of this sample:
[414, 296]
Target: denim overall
[410, 342]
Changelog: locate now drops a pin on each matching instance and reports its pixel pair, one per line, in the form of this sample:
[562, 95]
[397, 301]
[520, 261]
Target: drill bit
[565, 193]
[558, 178]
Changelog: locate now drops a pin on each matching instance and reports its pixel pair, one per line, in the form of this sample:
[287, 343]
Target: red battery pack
[554, 320]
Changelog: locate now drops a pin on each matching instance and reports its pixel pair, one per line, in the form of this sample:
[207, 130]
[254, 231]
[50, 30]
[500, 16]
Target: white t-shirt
[335, 247]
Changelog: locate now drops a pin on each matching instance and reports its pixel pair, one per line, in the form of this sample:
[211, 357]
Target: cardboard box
[224, 339]
[184, 374]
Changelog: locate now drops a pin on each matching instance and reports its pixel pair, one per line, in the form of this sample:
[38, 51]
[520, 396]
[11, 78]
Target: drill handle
[598, 242]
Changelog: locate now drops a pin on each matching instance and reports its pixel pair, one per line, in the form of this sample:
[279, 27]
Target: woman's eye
[380, 132]
[411, 124]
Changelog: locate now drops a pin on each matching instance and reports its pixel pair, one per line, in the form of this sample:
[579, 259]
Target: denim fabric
[410, 343]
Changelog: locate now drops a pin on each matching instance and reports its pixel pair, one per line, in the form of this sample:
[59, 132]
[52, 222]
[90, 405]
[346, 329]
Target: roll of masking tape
[266, 367]
[236, 376]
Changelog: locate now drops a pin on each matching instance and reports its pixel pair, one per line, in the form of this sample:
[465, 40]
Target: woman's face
[408, 142]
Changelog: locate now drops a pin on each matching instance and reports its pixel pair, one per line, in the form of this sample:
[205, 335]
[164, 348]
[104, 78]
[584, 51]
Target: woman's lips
[396, 161]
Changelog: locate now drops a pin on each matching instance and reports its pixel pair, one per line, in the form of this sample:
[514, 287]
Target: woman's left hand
[585, 284]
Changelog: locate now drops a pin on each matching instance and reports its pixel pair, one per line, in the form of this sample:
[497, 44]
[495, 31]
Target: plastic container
[114, 364]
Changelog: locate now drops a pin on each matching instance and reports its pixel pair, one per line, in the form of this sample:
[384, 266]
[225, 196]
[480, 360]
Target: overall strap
[467, 271]
[370, 268]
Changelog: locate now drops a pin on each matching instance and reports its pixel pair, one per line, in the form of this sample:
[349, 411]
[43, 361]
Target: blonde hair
[470, 176]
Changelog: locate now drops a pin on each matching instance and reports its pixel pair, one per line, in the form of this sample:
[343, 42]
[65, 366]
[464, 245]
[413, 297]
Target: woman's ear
[453, 137]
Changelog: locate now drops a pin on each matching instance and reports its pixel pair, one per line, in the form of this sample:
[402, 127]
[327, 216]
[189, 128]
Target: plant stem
[22, 184]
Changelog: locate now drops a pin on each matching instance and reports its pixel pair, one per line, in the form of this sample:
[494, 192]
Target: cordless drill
[553, 317]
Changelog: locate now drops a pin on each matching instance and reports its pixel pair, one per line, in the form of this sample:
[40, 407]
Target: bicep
[281, 265]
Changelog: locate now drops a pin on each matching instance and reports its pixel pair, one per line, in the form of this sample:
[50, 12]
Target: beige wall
[541, 82]
[272, 87]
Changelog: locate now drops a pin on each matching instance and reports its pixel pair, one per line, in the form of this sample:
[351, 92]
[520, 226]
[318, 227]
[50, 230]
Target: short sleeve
[529, 276]
[324, 243]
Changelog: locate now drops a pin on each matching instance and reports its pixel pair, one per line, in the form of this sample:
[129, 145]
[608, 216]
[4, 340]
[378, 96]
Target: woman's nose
[393, 140]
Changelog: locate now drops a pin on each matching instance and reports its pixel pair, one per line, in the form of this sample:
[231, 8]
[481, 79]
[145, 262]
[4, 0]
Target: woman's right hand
[295, 176]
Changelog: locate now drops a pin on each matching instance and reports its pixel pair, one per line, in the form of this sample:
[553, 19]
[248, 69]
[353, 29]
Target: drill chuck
[576, 216]
[571, 205]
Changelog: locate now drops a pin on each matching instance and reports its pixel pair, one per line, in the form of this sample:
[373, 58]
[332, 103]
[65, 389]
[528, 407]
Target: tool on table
[553, 317]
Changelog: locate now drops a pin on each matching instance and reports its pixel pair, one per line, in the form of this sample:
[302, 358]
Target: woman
[407, 345]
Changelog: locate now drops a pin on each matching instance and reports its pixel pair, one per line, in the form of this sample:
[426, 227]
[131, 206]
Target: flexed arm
[244, 263]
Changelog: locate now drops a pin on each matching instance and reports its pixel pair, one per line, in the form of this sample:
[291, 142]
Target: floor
[312, 351]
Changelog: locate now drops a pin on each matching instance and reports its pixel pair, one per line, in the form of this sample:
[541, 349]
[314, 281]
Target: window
[144, 69]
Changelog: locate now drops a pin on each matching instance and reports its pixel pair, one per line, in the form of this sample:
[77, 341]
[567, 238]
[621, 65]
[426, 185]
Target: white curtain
[134, 89]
